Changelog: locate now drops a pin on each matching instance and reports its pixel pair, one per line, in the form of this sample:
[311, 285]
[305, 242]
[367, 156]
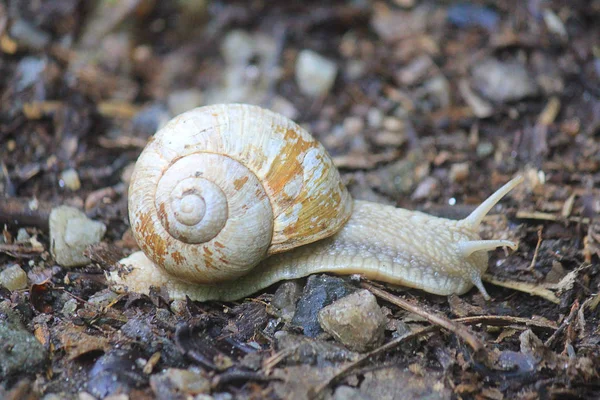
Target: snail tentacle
[474, 219]
[470, 247]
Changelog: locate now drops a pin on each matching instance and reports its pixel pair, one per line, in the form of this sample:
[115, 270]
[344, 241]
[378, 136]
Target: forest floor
[425, 105]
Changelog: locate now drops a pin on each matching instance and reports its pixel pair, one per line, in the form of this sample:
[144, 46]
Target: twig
[18, 211]
[271, 362]
[567, 322]
[550, 217]
[495, 320]
[17, 250]
[459, 330]
[537, 248]
[534, 290]
[354, 364]
[502, 320]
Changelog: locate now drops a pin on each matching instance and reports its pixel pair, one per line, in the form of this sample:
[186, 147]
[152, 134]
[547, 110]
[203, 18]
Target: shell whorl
[221, 187]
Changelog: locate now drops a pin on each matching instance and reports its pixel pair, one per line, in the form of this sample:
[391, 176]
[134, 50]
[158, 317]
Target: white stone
[315, 74]
[71, 232]
[238, 47]
[22, 235]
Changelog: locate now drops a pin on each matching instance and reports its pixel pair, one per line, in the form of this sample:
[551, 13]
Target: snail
[226, 200]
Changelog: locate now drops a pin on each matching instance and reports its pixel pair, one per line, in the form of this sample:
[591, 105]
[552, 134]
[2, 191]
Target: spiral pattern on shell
[221, 187]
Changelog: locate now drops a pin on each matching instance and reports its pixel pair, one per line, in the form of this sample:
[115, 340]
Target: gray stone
[485, 149]
[238, 47]
[355, 320]
[22, 236]
[304, 350]
[28, 35]
[20, 352]
[285, 299]
[29, 71]
[349, 393]
[396, 383]
[503, 81]
[174, 381]
[69, 308]
[71, 232]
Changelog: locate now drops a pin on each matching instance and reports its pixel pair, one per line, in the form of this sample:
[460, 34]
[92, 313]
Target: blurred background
[409, 96]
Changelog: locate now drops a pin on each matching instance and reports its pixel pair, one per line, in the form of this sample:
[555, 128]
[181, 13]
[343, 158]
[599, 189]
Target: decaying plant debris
[431, 106]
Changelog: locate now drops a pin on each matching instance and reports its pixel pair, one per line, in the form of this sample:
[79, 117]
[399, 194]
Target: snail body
[228, 199]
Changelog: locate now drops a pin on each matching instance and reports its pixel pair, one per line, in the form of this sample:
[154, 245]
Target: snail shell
[222, 187]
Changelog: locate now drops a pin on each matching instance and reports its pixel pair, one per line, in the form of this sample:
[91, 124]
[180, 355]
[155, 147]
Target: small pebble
[178, 307]
[503, 81]
[374, 117]
[467, 15]
[484, 149]
[118, 371]
[103, 298]
[70, 179]
[459, 172]
[315, 74]
[29, 70]
[22, 353]
[238, 48]
[13, 278]
[71, 232]
[121, 396]
[285, 299]
[355, 320]
[481, 108]
[354, 126]
[222, 396]
[355, 69]
[437, 91]
[283, 106]
[85, 396]
[69, 308]
[348, 393]
[425, 188]
[149, 119]
[387, 138]
[22, 235]
[28, 35]
[554, 23]
[174, 381]
[55, 396]
[393, 124]
[415, 71]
